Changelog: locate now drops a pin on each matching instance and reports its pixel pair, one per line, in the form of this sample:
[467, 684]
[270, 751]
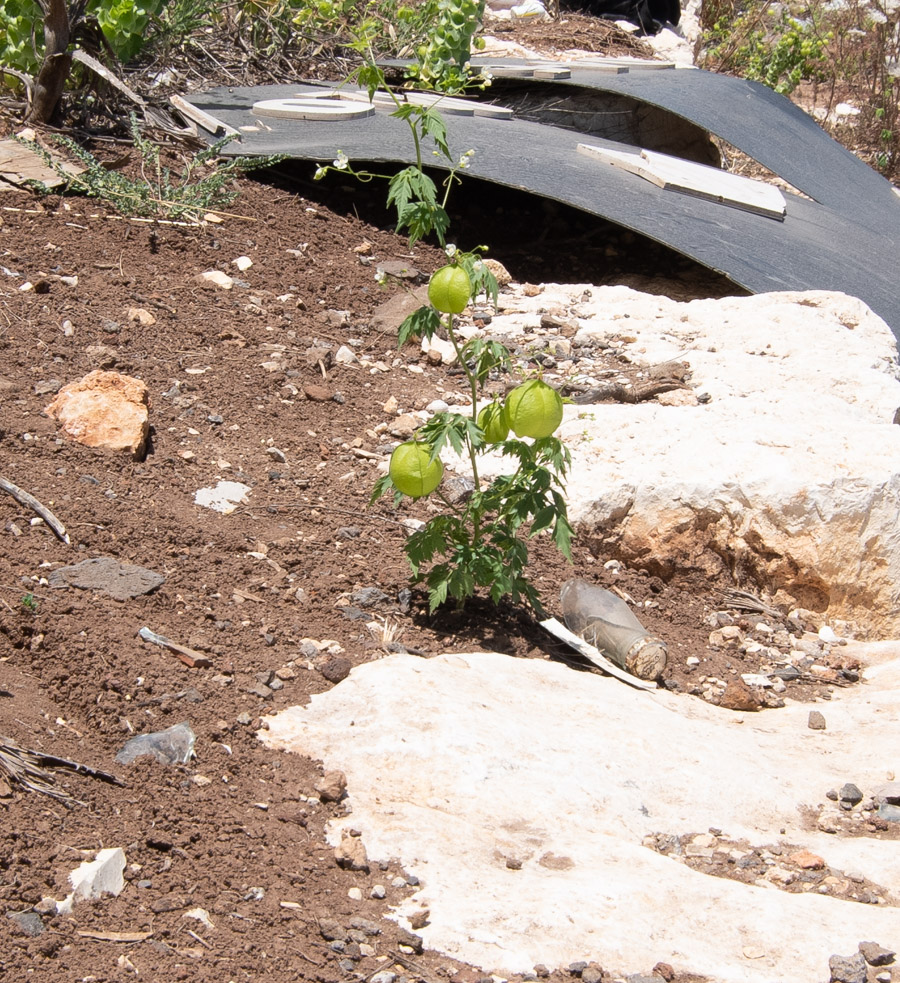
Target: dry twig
[24, 498]
[27, 768]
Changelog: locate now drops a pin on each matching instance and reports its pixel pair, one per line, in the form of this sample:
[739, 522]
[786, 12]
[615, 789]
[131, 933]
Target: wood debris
[27, 768]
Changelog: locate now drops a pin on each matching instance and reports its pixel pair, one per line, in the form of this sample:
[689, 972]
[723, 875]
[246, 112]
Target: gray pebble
[27, 922]
[875, 954]
[364, 925]
[848, 969]
[368, 596]
[850, 793]
[816, 720]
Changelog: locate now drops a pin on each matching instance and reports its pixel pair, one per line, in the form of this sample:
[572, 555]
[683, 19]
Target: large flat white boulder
[788, 477]
[458, 765]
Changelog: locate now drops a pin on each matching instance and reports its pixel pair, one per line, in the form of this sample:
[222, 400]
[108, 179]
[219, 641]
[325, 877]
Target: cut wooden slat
[507, 71]
[451, 105]
[699, 180]
[201, 118]
[623, 64]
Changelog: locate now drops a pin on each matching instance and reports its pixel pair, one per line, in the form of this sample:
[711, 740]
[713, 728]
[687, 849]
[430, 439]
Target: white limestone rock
[459, 763]
[789, 477]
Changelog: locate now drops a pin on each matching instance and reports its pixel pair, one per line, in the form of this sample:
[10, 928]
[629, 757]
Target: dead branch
[26, 80]
[654, 380]
[24, 498]
[27, 768]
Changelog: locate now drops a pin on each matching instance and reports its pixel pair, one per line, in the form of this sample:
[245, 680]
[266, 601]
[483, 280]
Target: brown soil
[233, 832]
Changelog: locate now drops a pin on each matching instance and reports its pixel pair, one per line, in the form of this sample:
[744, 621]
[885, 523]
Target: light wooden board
[622, 64]
[20, 165]
[700, 180]
[198, 116]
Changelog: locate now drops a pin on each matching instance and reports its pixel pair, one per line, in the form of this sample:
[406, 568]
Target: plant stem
[473, 387]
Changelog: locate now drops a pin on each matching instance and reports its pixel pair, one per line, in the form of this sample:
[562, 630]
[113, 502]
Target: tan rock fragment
[104, 409]
[807, 860]
[351, 854]
[141, 315]
[331, 786]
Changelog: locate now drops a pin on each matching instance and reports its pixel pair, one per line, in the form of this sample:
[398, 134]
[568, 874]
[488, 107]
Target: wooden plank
[201, 118]
[549, 74]
[699, 180]
[20, 165]
[621, 65]
[451, 105]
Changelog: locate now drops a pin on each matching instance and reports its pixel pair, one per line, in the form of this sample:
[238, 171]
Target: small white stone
[827, 634]
[224, 498]
[345, 356]
[756, 679]
[217, 278]
[104, 875]
[355, 894]
[378, 891]
[437, 406]
[242, 263]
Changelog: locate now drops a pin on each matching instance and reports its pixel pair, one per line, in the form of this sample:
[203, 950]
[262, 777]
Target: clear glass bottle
[605, 621]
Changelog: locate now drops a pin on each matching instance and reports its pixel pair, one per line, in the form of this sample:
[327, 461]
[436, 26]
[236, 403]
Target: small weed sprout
[30, 603]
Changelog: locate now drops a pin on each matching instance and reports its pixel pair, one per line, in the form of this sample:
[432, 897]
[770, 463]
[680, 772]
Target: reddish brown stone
[807, 860]
[739, 696]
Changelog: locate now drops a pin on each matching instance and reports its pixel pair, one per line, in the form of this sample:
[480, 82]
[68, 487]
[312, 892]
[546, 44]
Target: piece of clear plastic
[605, 621]
[173, 746]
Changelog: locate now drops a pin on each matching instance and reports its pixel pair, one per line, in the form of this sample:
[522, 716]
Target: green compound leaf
[422, 323]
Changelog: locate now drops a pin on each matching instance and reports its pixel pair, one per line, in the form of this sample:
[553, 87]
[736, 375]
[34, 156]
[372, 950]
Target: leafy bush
[124, 24]
[846, 52]
[478, 541]
[776, 49]
[442, 59]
